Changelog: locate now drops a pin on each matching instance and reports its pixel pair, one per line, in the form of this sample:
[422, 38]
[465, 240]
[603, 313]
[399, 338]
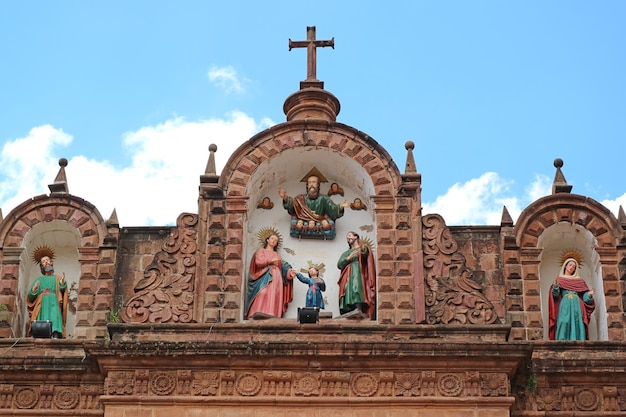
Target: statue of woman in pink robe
[270, 281]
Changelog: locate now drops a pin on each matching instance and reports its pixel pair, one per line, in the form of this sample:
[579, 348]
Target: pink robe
[269, 290]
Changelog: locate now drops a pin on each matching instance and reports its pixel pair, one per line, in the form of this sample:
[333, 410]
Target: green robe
[318, 209]
[573, 307]
[357, 281]
[49, 301]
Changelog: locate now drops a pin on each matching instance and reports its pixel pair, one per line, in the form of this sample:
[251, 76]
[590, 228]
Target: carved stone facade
[157, 324]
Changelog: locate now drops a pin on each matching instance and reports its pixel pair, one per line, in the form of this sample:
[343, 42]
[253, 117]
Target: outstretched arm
[282, 193]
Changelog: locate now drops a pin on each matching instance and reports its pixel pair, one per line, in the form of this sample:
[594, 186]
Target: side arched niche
[544, 230]
[64, 240]
[76, 232]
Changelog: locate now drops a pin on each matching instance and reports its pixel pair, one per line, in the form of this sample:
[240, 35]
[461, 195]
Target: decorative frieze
[246, 383]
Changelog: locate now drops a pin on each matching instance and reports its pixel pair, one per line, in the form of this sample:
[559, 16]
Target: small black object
[41, 329]
[309, 315]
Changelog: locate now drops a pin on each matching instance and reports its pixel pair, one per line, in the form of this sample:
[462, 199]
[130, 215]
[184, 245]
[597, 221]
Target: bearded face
[45, 264]
[313, 188]
[313, 192]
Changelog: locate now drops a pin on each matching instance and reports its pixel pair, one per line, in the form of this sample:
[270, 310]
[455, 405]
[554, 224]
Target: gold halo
[367, 241]
[319, 267]
[41, 251]
[266, 232]
[572, 253]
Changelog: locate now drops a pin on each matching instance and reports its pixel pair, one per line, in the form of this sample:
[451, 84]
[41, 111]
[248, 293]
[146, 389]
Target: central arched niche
[557, 239]
[286, 170]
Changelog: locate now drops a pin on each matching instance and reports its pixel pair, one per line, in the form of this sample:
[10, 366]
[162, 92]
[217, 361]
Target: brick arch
[314, 134]
[77, 212]
[571, 208]
[523, 259]
[96, 267]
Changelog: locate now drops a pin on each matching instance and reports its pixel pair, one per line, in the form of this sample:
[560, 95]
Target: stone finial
[60, 182]
[113, 221]
[560, 184]
[410, 161]
[411, 179]
[621, 217]
[208, 181]
[210, 166]
[1, 216]
[507, 220]
[210, 173]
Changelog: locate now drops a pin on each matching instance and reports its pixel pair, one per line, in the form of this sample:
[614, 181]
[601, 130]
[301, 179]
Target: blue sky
[133, 92]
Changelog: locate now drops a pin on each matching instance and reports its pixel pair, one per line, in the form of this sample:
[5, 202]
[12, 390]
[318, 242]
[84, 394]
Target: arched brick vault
[570, 208]
[338, 137]
[97, 258]
[77, 212]
[522, 258]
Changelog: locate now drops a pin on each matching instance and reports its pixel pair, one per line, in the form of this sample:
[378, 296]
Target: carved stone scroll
[451, 296]
[166, 292]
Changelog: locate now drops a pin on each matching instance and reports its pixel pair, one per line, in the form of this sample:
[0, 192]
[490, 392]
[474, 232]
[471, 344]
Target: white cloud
[478, 201]
[160, 183]
[162, 180]
[227, 78]
[27, 162]
[614, 205]
[540, 187]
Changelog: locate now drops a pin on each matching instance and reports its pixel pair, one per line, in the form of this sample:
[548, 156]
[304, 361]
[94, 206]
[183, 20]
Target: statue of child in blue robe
[316, 285]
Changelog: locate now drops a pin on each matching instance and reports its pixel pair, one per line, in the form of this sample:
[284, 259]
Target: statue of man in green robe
[48, 296]
[313, 214]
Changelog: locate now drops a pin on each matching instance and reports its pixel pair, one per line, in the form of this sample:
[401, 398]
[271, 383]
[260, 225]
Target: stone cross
[311, 45]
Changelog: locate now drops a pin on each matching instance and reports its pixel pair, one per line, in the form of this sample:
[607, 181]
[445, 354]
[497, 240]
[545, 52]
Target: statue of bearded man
[312, 212]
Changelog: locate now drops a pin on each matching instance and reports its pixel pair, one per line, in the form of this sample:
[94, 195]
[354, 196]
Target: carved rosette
[165, 293]
[307, 384]
[162, 383]
[494, 385]
[248, 384]
[450, 385]
[205, 383]
[451, 296]
[66, 398]
[549, 399]
[408, 385]
[26, 397]
[587, 399]
[120, 383]
[364, 384]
